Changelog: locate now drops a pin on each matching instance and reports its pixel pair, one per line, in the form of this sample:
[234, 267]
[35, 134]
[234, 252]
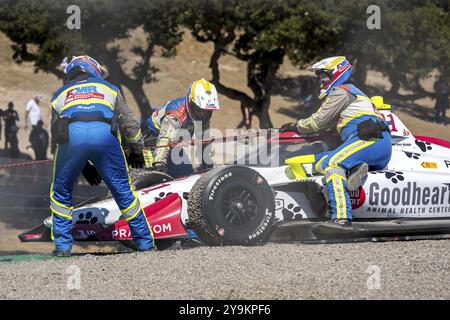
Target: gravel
[405, 270]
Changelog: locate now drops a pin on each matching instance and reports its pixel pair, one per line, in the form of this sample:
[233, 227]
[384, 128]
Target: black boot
[356, 175]
[61, 254]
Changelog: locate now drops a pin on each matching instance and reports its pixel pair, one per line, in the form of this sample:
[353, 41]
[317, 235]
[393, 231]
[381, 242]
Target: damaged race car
[256, 201]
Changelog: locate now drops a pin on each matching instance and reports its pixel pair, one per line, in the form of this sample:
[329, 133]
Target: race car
[273, 194]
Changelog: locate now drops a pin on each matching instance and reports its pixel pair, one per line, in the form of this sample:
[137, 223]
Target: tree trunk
[262, 112]
[360, 74]
[136, 86]
[137, 90]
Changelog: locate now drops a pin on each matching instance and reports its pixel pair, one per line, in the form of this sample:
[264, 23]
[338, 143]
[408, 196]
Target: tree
[261, 33]
[413, 40]
[40, 35]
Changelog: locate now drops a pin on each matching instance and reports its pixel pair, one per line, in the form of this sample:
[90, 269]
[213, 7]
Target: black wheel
[232, 205]
[144, 179]
[141, 178]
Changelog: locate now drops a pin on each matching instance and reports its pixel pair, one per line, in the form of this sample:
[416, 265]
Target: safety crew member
[89, 117]
[366, 136]
[189, 112]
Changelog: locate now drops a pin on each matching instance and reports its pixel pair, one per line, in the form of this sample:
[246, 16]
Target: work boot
[61, 254]
[356, 176]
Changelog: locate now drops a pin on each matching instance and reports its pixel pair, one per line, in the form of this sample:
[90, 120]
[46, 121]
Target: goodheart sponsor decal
[411, 199]
[357, 197]
[83, 93]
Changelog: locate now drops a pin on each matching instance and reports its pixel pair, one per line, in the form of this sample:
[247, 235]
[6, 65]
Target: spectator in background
[442, 89]
[39, 141]
[11, 116]
[2, 114]
[33, 112]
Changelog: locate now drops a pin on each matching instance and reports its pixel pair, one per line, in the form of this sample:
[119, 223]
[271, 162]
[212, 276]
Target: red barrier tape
[172, 144]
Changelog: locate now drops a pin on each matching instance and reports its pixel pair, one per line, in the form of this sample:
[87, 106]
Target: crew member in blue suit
[366, 137]
[89, 119]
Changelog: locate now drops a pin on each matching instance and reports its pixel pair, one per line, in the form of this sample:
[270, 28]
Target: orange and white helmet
[203, 95]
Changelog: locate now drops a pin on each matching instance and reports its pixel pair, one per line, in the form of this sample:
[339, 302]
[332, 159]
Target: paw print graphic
[412, 155]
[162, 195]
[424, 146]
[394, 176]
[86, 219]
[291, 212]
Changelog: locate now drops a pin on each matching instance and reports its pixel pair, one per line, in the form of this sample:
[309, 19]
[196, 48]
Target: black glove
[136, 160]
[159, 166]
[289, 127]
[91, 174]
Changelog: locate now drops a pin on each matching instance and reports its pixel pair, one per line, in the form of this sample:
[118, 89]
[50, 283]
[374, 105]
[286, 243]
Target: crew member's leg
[69, 160]
[376, 153]
[109, 160]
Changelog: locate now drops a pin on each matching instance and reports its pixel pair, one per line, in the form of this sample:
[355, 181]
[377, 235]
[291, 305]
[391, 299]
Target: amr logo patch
[424, 146]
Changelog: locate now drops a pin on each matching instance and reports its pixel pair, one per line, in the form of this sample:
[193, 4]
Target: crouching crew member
[181, 113]
[365, 135]
[88, 116]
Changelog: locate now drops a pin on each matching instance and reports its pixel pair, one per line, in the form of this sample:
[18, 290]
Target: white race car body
[414, 185]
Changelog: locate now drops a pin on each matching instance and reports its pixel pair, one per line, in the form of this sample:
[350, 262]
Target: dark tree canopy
[261, 33]
[39, 33]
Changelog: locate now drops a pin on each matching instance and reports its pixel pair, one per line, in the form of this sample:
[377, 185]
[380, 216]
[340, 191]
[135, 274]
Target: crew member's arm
[169, 126]
[206, 148]
[334, 104]
[129, 126]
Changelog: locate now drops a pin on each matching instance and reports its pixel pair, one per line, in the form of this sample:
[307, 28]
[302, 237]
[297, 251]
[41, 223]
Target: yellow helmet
[203, 95]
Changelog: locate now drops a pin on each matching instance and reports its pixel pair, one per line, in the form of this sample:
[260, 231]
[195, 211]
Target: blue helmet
[88, 65]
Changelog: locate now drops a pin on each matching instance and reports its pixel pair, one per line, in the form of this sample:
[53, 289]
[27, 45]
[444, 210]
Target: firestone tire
[232, 205]
[142, 179]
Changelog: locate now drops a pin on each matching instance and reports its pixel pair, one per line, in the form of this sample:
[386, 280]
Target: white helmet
[203, 95]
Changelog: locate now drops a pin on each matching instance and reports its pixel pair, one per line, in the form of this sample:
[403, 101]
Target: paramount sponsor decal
[412, 199]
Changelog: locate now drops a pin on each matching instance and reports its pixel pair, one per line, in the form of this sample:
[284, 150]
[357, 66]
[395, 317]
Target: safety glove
[91, 174]
[159, 166]
[136, 160]
[289, 127]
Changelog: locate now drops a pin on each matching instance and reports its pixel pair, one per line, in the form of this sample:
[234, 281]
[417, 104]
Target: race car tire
[142, 179]
[232, 205]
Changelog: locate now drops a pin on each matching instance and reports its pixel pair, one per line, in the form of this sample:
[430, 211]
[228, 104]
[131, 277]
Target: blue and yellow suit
[164, 124]
[349, 106]
[90, 140]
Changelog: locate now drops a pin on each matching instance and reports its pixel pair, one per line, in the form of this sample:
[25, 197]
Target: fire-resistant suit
[350, 107]
[90, 105]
